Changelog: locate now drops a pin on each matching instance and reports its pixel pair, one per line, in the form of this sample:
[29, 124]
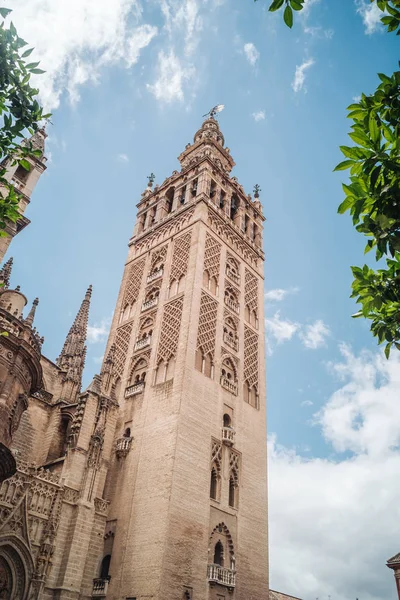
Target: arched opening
[219, 554]
[227, 420]
[234, 207]
[127, 432]
[232, 492]
[65, 428]
[170, 199]
[213, 484]
[105, 567]
[138, 374]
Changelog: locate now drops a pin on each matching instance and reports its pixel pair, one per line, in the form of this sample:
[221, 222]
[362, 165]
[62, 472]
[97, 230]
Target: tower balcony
[231, 341]
[122, 446]
[233, 276]
[149, 303]
[232, 304]
[133, 390]
[229, 385]
[143, 342]
[100, 587]
[228, 436]
[155, 275]
[221, 575]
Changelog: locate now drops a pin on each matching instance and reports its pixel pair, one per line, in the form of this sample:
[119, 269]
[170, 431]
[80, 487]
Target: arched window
[170, 199]
[105, 567]
[234, 206]
[232, 492]
[219, 554]
[227, 420]
[127, 432]
[213, 484]
[138, 373]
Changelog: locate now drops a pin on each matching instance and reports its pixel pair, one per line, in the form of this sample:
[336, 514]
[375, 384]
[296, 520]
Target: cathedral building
[151, 484]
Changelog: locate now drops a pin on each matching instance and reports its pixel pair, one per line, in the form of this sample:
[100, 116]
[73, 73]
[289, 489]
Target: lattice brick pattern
[207, 324]
[228, 314]
[121, 346]
[212, 256]
[170, 329]
[134, 281]
[234, 462]
[158, 255]
[180, 256]
[250, 357]
[251, 291]
[216, 455]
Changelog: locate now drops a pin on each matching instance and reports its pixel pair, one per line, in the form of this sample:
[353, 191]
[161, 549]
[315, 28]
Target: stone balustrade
[122, 446]
[229, 385]
[228, 436]
[232, 275]
[232, 304]
[155, 275]
[136, 388]
[100, 587]
[221, 575]
[149, 303]
[143, 342]
[231, 341]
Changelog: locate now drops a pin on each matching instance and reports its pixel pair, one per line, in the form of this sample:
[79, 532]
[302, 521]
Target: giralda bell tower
[187, 479]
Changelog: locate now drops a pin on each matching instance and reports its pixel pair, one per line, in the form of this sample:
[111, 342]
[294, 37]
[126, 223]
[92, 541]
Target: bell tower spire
[73, 353]
[5, 273]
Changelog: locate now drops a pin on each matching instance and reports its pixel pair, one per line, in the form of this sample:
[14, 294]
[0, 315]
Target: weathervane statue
[216, 109]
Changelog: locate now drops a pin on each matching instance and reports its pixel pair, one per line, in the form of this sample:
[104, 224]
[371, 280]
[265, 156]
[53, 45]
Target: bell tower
[187, 478]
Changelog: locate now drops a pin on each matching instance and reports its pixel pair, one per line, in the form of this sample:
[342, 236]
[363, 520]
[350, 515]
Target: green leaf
[296, 5]
[345, 205]
[4, 12]
[288, 16]
[25, 164]
[27, 53]
[373, 128]
[37, 71]
[345, 164]
[387, 349]
[276, 4]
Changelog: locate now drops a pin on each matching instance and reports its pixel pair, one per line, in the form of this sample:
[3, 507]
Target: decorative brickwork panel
[121, 346]
[207, 325]
[180, 257]
[174, 224]
[216, 455]
[170, 329]
[251, 291]
[158, 256]
[212, 257]
[133, 283]
[250, 374]
[234, 464]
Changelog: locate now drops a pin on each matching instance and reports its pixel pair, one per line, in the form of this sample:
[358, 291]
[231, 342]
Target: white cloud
[306, 403]
[314, 336]
[259, 116]
[300, 74]
[99, 331]
[171, 77]
[356, 99]
[319, 32]
[333, 521]
[281, 330]
[371, 15]
[278, 294]
[74, 39]
[124, 158]
[251, 52]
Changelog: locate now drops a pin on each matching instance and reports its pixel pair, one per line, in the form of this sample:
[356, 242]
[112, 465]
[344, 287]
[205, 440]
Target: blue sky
[128, 84]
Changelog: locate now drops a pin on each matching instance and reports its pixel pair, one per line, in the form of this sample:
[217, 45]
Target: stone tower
[187, 477]
[24, 183]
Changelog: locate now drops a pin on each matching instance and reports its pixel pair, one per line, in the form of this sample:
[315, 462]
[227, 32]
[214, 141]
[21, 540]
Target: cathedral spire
[31, 315]
[73, 354]
[5, 273]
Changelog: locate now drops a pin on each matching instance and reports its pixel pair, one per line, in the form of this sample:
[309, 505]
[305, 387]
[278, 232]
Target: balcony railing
[155, 275]
[136, 388]
[231, 341]
[234, 276]
[100, 587]
[229, 385]
[143, 342]
[221, 575]
[123, 446]
[228, 436]
[232, 304]
[149, 303]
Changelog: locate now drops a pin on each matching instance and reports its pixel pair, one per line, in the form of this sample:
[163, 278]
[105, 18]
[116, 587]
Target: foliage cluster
[372, 195]
[20, 113]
